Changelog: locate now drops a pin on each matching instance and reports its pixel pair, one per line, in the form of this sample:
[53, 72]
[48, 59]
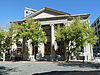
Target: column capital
[51, 24]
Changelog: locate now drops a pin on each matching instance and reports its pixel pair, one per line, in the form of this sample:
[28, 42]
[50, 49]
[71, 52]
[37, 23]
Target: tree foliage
[29, 29]
[76, 35]
[5, 40]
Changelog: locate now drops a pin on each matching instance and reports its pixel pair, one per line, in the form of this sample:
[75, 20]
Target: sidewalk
[47, 68]
[71, 61]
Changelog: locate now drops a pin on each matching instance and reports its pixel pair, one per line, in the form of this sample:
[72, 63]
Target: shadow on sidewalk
[82, 65]
[70, 73]
[6, 70]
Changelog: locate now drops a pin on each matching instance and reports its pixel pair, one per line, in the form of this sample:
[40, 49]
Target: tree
[76, 35]
[2, 36]
[5, 42]
[29, 29]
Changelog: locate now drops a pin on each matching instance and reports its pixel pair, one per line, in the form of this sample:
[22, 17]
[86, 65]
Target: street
[48, 68]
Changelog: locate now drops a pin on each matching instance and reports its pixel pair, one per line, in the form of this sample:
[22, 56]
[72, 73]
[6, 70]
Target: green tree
[30, 29]
[2, 37]
[75, 36]
[5, 41]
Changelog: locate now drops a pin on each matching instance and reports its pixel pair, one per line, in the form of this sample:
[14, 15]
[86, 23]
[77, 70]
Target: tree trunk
[65, 52]
[82, 50]
[68, 54]
[83, 59]
[35, 52]
[35, 49]
[53, 54]
[23, 48]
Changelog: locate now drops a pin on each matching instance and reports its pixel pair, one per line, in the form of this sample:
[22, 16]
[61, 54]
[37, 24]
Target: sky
[13, 10]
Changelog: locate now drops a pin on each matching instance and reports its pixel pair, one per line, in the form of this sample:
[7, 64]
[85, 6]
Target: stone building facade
[50, 18]
[96, 48]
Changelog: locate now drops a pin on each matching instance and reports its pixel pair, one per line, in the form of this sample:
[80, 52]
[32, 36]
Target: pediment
[46, 12]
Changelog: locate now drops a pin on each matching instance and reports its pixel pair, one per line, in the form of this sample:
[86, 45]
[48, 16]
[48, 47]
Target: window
[47, 48]
[96, 33]
[97, 49]
[98, 26]
[97, 21]
[60, 50]
[97, 44]
[94, 24]
[48, 32]
[56, 25]
[26, 12]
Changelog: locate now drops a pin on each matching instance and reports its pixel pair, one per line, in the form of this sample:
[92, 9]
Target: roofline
[66, 16]
[81, 15]
[78, 15]
[57, 10]
[17, 21]
[30, 9]
[45, 8]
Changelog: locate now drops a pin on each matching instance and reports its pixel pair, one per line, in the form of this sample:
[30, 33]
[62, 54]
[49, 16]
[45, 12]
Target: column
[52, 56]
[30, 50]
[41, 50]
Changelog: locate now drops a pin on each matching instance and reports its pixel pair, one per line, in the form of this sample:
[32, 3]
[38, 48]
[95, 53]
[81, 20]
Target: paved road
[48, 68]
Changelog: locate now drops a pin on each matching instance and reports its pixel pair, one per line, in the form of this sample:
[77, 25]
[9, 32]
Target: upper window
[94, 24]
[26, 12]
[97, 21]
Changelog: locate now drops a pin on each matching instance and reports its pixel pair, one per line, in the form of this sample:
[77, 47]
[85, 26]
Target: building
[49, 18]
[96, 48]
[28, 12]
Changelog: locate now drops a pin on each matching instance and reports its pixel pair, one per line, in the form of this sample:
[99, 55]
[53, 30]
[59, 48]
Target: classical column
[52, 56]
[4, 52]
[29, 47]
[91, 52]
[41, 50]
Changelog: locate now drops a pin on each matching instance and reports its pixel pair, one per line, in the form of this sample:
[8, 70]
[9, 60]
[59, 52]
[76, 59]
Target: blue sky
[12, 10]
